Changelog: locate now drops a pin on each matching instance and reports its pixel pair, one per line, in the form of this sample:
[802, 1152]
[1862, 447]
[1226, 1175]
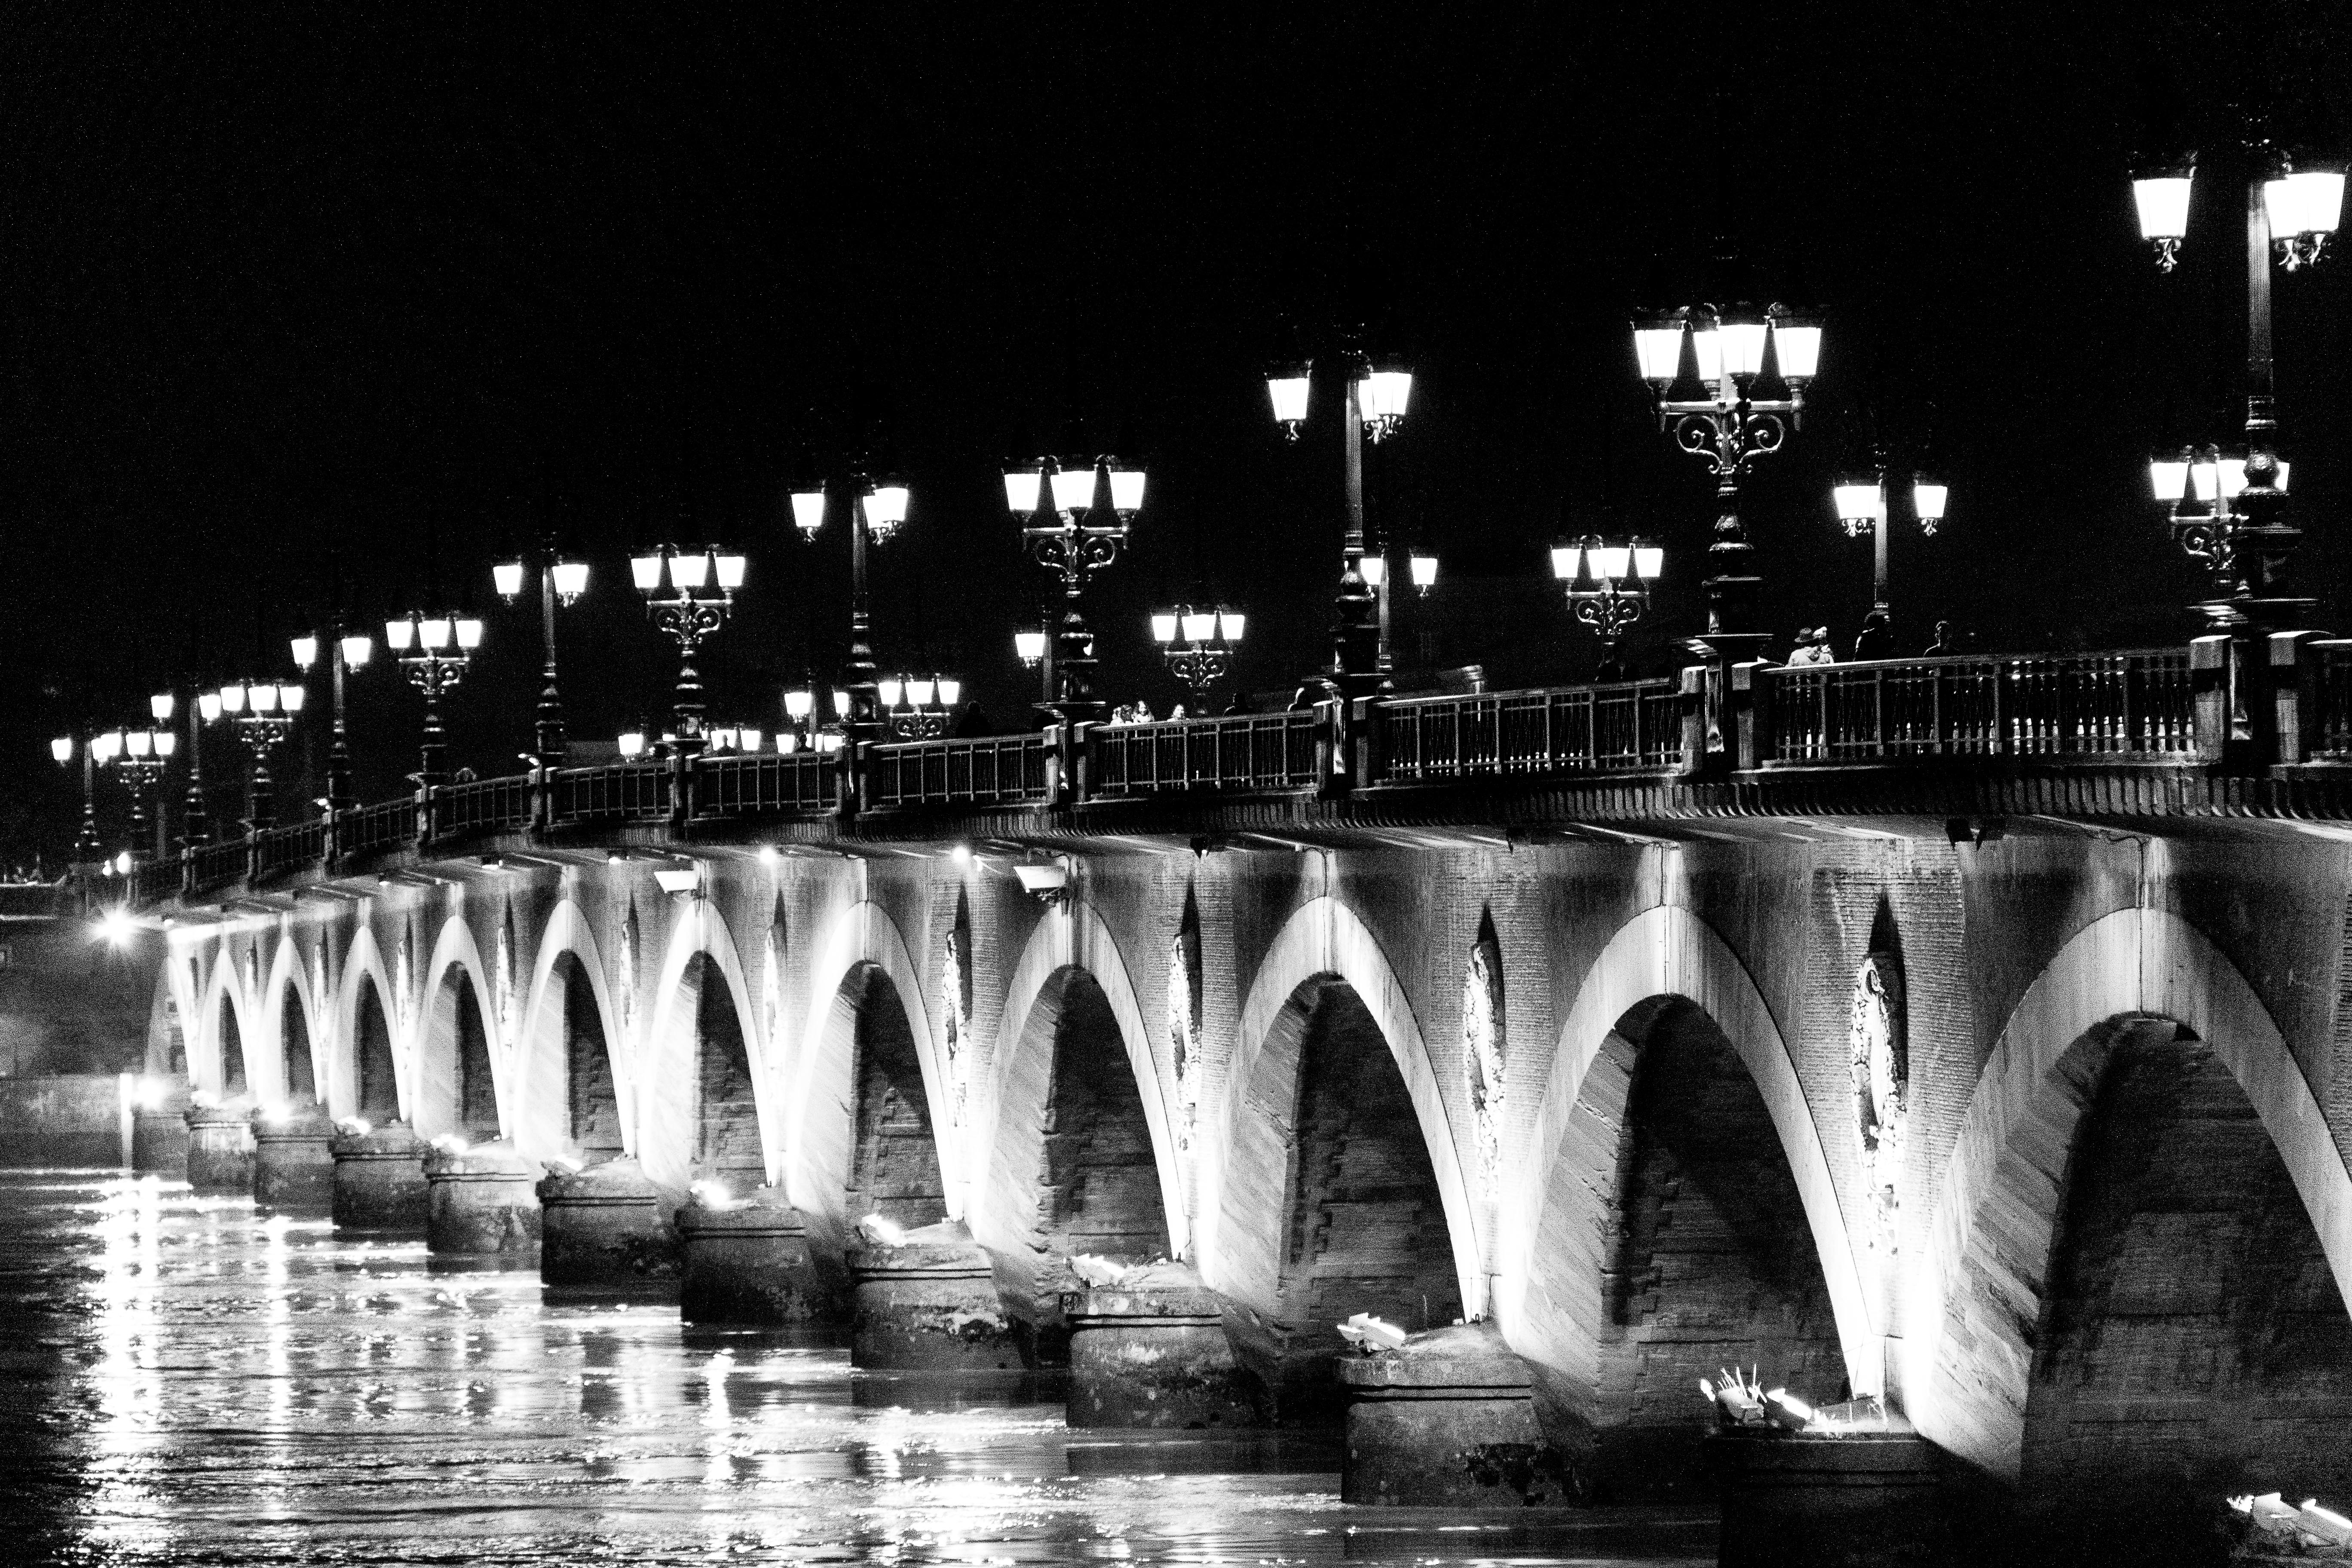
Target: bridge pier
[1864, 1499]
[749, 1262]
[606, 1229]
[293, 1167]
[159, 1136]
[929, 1304]
[379, 1181]
[220, 1152]
[1448, 1421]
[1152, 1351]
[480, 1202]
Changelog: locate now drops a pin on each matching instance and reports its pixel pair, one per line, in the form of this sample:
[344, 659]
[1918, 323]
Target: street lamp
[876, 510]
[1713, 372]
[918, 709]
[261, 714]
[347, 650]
[1608, 587]
[1069, 531]
[139, 756]
[1862, 504]
[559, 580]
[1377, 396]
[1199, 645]
[62, 750]
[434, 652]
[2241, 536]
[689, 594]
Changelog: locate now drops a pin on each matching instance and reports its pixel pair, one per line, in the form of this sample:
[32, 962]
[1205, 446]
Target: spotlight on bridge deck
[1047, 881]
[961, 854]
[115, 926]
[680, 879]
[881, 1231]
[768, 856]
[713, 1194]
[357, 1126]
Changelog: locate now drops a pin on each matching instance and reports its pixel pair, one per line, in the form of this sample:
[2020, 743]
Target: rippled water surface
[186, 1382]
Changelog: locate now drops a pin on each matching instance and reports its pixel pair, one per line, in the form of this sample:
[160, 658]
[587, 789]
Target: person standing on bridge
[1812, 648]
[1877, 638]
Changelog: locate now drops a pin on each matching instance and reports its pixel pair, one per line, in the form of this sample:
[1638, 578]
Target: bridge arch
[545, 1095]
[453, 1051]
[1973, 1302]
[170, 1020]
[1663, 955]
[1071, 1012]
[1324, 984]
[864, 967]
[670, 1061]
[349, 1086]
[293, 1031]
[226, 1007]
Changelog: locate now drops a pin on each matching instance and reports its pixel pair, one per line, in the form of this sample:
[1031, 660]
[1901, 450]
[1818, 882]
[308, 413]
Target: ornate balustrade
[2154, 715]
[1243, 754]
[1627, 727]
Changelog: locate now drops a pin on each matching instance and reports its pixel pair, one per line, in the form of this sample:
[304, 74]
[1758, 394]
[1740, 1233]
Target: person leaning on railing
[1812, 647]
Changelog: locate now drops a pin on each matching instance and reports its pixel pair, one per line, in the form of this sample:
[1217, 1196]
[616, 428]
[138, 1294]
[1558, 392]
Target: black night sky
[349, 282]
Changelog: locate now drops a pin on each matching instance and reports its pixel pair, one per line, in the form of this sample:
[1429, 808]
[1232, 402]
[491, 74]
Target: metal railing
[1003, 770]
[153, 880]
[373, 827]
[633, 792]
[753, 786]
[2137, 705]
[2330, 737]
[1242, 754]
[1633, 726]
[482, 806]
[216, 865]
[290, 848]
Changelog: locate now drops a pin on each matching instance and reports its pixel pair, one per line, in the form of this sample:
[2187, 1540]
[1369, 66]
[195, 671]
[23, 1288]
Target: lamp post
[434, 652]
[139, 756]
[1712, 373]
[688, 593]
[559, 580]
[347, 650]
[1862, 503]
[261, 713]
[1068, 530]
[1607, 588]
[915, 707]
[1199, 645]
[876, 509]
[86, 841]
[1424, 567]
[1377, 397]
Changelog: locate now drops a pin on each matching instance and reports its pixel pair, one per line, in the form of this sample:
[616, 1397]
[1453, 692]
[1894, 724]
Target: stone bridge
[1997, 1065]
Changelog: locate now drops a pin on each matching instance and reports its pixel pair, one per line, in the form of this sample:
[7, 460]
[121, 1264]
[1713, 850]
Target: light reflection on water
[186, 1382]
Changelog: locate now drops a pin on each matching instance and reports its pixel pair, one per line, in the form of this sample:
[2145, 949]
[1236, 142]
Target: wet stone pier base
[1151, 1351]
[480, 1202]
[1448, 1421]
[293, 1167]
[1861, 1500]
[379, 1179]
[220, 1152]
[606, 1230]
[929, 1304]
[158, 1137]
[748, 1261]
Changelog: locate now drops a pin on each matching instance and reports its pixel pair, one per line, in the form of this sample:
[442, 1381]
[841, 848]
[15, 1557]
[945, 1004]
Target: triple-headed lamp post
[1075, 515]
[62, 749]
[689, 593]
[2236, 524]
[1199, 645]
[876, 510]
[1377, 396]
[346, 650]
[1608, 587]
[1728, 384]
[261, 713]
[139, 755]
[560, 580]
[434, 652]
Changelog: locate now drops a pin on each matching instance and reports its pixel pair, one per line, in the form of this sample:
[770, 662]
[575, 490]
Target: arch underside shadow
[867, 1144]
[1673, 1243]
[1979, 1303]
[1075, 1168]
[1346, 1214]
[457, 1083]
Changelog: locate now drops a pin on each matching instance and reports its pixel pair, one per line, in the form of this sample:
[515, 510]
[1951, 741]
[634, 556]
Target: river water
[185, 1381]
